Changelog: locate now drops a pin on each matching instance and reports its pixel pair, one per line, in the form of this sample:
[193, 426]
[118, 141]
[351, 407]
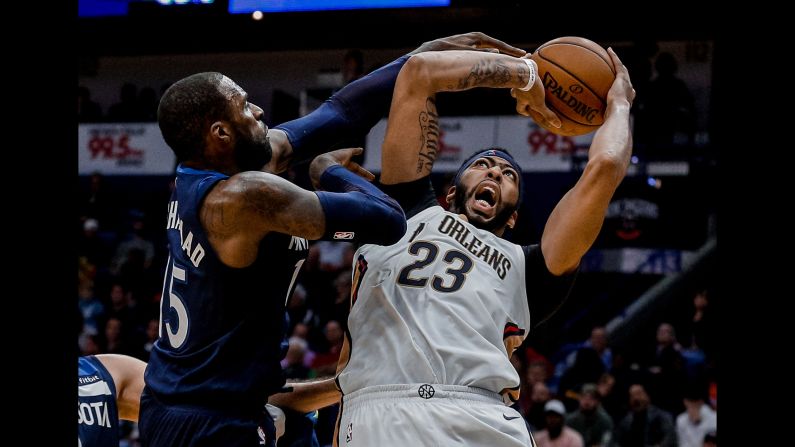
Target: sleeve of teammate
[355, 210]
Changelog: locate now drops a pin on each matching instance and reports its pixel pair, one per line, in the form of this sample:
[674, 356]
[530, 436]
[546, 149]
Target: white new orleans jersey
[447, 304]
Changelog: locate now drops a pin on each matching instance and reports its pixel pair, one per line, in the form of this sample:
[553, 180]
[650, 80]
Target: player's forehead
[231, 90]
[493, 160]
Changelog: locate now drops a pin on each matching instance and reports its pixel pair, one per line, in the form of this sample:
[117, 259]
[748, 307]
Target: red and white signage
[123, 149]
[534, 148]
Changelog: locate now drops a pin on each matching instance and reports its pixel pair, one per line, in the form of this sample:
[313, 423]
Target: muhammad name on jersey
[194, 252]
[458, 231]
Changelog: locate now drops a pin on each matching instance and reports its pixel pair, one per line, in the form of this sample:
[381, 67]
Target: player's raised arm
[412, 135]
[575, 222]
[307, 396]
[359, 105]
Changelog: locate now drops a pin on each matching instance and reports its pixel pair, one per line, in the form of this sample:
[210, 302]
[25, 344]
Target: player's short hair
[187, 109]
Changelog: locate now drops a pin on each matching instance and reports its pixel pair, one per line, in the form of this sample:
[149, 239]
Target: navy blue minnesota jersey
[97, 415]
[222, 329]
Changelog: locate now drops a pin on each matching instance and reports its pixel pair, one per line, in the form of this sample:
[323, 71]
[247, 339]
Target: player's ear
[450, 197]
[221, 131]
[512, 220]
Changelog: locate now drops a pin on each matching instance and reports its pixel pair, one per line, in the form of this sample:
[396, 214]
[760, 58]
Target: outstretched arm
[576, 220]
[307, 396]
[412, 134]
[128, 375]
[356, 108]
[238, 212]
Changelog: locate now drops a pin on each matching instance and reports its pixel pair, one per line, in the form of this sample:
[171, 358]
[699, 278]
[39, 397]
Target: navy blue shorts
[174, 426]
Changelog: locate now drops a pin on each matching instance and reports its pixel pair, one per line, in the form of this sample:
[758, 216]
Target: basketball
[577, 74]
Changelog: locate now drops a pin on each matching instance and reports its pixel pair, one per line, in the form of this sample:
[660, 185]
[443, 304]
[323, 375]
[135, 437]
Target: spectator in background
[696, 422]
[702, 328]
[301, 330]
[297, 309]
[667, 368]
[126, 110]
[587, 368]
[342, 299]
[98, 202]
[539, 396]
[535, 372]
[88, 111]
[91, 309]
[645, 424]
[611, 401]
[325, 363]
[115, 342]
[670, 106]
[134, 240]
[152, 334]
[352, 66]
[597, 342]
[556, 433]
[91, 246]
[293, 362]
[591, 420]
[147, 105]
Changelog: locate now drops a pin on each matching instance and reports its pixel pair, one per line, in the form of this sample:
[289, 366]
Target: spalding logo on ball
[577, 74]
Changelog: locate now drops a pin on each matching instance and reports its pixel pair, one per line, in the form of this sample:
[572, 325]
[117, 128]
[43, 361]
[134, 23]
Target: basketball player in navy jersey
[237, 239]
[435, 317]
[108, 389]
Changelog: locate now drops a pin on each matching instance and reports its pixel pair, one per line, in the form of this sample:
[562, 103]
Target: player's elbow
[418, 70]
[393, 224]
[608, 166]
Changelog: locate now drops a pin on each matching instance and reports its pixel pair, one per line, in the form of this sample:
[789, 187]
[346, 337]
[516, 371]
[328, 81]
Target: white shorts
[429, 415]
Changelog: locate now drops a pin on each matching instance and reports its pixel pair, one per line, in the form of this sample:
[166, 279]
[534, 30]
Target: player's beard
[499, 220]
[252, 154]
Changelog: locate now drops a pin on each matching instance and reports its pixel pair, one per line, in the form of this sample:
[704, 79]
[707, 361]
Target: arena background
[656, 252]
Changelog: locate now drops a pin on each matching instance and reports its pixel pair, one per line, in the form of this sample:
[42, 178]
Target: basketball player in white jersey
[436, 316]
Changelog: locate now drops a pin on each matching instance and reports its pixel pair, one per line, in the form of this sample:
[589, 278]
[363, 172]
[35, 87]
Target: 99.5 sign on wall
[534, 148]
[123, 149]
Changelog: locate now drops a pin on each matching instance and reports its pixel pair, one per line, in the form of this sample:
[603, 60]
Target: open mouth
[485, 198]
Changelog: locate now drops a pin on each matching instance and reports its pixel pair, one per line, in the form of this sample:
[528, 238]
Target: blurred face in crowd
[540, 393]
[665, 334]
[638, 399]
[599, 339]
[588, 403]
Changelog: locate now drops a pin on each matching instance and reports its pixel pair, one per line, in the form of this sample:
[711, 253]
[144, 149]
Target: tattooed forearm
[276, 205]
[429, 136]
[490, 73]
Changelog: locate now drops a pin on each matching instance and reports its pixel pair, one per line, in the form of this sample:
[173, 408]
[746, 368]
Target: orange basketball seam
[609, 65]
[576, 77]
[601, 101]
[559, 113]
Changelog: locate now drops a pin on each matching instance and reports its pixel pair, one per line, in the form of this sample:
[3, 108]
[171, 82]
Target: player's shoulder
[428, 213]
[250, 184]
[87, 365]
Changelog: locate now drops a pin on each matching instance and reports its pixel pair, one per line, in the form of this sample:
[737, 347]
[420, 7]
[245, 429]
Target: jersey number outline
[292, 281]
[175, 339]
[431, 253]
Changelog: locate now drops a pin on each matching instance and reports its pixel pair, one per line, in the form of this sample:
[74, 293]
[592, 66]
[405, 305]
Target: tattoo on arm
[212, 216]
[429, 136]
[488, 73]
